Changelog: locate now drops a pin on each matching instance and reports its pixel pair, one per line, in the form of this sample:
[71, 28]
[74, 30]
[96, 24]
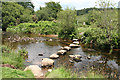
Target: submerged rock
[36, 70]
[47, 62]
[54, 56]
[61, 52]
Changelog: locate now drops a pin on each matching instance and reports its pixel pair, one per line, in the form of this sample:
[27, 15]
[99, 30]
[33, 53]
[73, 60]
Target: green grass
[64, 73]
[91, 74]
[60, 73]
[15, 73]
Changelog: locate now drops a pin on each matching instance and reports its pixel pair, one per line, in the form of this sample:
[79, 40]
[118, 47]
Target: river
[101, 62]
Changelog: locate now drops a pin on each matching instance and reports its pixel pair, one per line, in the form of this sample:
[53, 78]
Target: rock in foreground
[36, 70]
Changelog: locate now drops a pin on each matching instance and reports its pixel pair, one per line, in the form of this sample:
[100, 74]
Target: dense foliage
[42, 27]
[67, 20]
[14, 13]
[101, 27]
[49, 12]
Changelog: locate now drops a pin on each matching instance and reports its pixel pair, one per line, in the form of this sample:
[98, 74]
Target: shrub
[67, 21]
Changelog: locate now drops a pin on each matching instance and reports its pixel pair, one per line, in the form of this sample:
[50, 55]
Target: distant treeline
[86, 10]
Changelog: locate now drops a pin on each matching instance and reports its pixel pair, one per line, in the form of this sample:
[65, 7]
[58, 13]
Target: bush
[42, 27]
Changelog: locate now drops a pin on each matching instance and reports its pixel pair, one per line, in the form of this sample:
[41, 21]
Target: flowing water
[101, 62]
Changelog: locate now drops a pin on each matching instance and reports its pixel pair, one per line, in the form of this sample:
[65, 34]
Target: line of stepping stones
[46, 62]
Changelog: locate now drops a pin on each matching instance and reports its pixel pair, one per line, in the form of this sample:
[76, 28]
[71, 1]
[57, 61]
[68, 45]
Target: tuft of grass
[91, 74]
[15, 73]
[60, 73]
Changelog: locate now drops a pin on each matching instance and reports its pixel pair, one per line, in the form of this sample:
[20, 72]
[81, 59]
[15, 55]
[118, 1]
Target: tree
[55, 7]
[67, 19]
[27, 5]
[10, 12]
[49, 12]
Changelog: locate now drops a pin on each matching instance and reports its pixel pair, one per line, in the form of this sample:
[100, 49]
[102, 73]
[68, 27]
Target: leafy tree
[10, 12]
[67, 19]
[55, 7]
[49, 12]
[27, 5]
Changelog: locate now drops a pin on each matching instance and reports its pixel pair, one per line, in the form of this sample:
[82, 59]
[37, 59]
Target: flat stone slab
[54, 56]
[61, 52]
[47, 62]
[74, 45]
[36, 70]
[66, 48]
[75, 39]
[76, 42]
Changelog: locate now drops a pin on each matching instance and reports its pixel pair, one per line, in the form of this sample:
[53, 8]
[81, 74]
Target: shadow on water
[102, 62]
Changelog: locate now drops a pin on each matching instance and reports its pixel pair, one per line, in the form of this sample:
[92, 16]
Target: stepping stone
[54, 56]
[74, 45]
[47, 62]
[61, 52]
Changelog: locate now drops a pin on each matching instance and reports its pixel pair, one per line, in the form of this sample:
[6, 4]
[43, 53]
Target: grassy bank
[9, 57]
[15, 73]
[65, 73]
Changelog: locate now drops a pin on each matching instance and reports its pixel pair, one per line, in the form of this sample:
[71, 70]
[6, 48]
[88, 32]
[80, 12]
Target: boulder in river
[47, 62]
[66, 48]
[61, 52]
[54, 56]
[74, 45]
[36, 70]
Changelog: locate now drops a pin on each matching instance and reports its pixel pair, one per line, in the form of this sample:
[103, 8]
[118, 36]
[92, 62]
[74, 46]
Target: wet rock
[74, 45]
[66, 48]
[88, 57]
[61, 52]
[40, 54]
[54, 56]
[76, 42]
[7, 65]
[36, 70]
[47, 62]
[76, 58]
